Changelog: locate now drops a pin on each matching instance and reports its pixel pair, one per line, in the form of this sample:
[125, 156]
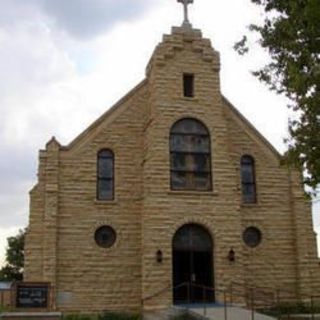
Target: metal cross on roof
[186, 22]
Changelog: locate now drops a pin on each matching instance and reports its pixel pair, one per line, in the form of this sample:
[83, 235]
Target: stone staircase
[211, 313]
[233, 313]
[169, 313]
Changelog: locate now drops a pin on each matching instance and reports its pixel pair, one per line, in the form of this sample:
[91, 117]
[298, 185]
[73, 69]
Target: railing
[207, 292]
[280, 304]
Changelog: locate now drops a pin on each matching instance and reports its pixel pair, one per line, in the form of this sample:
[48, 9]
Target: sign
[35, 296]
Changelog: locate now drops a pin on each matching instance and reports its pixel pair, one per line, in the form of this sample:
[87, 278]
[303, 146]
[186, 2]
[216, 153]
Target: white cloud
[81, 19]
[87, 18]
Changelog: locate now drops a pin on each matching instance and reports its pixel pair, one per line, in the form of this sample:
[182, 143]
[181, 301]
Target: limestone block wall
[90, 277]
[306, 246]
[288, 238]
[146, 213]
[33, 264]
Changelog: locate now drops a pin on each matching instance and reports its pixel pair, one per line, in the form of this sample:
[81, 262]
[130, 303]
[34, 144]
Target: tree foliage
[291, 35]
[13, 269]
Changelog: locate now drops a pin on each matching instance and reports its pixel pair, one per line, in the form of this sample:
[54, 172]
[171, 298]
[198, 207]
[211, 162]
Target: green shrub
[5, 309]
[2, 309]
[119, 316]
[104, 316]
[78, 317]
[184, 316]
[291, 308]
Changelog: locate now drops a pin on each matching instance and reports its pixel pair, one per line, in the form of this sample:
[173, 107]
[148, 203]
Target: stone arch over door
[192, 264]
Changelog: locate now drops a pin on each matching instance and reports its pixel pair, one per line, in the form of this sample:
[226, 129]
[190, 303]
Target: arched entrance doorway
[192, 259]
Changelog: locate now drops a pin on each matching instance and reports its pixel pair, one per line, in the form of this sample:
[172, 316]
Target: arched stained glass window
[105, 183]
[248, 179]
[190, 156]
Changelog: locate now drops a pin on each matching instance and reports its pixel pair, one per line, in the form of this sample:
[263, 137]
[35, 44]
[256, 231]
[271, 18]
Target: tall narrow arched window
[190, 156]
[248, 179]
[105, 175]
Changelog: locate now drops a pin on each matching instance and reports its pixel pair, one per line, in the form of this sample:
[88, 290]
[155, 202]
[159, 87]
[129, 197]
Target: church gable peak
[182, 38]
[53, 143]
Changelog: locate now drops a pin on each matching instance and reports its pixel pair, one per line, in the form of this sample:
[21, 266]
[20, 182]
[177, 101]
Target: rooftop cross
[186, 22]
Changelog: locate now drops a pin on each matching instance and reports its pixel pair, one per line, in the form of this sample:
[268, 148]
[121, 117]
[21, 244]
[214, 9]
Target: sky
[64, 63]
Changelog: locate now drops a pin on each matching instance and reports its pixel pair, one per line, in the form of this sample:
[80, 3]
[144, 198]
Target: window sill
[193, 99]
[249, 205]
[193, 193]
[105, 202]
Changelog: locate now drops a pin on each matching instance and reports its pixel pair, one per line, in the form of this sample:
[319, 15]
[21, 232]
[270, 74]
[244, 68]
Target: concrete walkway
[233, 313]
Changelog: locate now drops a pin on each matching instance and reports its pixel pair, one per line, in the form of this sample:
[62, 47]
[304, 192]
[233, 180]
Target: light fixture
[231, 255]
[159, 256]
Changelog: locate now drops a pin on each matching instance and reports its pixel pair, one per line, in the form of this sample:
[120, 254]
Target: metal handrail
[270, 290]
[251, 295]
[158, 293]
[189, 285]
[249, 286]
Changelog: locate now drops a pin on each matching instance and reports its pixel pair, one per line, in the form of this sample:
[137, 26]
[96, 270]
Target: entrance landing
[233, 313]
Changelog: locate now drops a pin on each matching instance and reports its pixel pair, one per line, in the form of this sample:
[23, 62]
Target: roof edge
[105, 115]
[252, 127]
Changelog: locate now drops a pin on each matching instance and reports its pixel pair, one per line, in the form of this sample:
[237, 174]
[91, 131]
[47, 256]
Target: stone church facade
[172, 185]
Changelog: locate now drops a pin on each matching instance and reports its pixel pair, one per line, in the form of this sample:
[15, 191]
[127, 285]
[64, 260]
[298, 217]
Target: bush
[291, 308]
[79, 317]
[119, 316]
[5, 309]
[184, 316]
[104, 316]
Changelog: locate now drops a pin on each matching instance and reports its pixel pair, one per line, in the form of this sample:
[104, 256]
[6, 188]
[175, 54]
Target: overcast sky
[63, 63]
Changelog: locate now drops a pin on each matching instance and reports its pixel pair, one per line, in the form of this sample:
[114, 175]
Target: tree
[13, 270]
[291, 35]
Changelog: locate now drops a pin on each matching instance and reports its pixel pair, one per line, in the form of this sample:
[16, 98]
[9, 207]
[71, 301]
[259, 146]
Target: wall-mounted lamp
[231, 255]
[159, 256]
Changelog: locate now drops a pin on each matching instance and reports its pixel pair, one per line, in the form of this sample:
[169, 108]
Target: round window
[252, 237]
[105, 236]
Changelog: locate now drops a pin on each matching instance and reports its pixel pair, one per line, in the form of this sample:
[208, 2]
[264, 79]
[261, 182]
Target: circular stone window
[252, 237]
[105, 236]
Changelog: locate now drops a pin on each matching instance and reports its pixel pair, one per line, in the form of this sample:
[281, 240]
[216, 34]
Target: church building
[170, 191]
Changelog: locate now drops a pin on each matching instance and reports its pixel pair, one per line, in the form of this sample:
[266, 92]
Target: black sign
[32, 296]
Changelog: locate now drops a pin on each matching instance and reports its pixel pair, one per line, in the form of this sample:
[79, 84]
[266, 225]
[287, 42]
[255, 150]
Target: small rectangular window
[188, 85]
[105, 175]
[248, 179]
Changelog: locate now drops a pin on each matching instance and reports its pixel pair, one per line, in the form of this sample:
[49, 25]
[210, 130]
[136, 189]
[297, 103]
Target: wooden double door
[192, 251]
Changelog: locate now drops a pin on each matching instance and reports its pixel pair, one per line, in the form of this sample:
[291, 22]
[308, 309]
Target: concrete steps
[211, 313]
[233, 313]
[169, 313]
